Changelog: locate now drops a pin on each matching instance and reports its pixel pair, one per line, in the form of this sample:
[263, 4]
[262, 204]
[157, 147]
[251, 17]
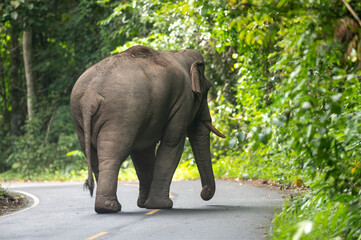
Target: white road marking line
[35, 203]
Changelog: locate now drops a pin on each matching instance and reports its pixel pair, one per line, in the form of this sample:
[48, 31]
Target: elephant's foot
[142, 198]
[141, 202]
[106, 204]
[158, 203]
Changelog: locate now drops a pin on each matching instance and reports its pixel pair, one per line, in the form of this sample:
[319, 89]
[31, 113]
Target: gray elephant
[143, 103]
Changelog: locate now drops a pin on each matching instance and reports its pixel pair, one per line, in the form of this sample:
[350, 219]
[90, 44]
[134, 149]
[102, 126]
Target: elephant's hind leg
[111, 154]
[143, 161]
[106, 200]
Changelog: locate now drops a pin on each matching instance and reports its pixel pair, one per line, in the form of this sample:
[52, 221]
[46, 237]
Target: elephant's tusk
[214, 130]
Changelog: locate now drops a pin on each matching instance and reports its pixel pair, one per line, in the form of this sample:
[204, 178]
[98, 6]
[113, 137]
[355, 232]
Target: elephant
[143, 103]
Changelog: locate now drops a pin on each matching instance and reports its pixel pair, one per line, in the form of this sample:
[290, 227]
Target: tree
[28, 65]
[15, 92]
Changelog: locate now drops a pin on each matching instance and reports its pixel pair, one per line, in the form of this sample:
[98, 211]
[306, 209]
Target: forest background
[286, 92]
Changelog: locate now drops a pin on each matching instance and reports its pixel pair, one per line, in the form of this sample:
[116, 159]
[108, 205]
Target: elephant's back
[138, 87]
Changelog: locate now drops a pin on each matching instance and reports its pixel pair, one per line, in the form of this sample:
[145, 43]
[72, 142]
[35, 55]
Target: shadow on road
[204, 210]
[221, 208]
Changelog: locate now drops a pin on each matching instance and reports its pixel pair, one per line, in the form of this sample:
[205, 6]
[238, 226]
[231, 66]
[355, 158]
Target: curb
[29, 195]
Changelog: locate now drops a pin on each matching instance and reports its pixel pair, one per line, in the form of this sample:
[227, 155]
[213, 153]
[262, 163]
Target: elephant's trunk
[200, 143]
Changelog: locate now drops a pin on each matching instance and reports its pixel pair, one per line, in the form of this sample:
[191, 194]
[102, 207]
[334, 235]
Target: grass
[72, 175]
[318, 216]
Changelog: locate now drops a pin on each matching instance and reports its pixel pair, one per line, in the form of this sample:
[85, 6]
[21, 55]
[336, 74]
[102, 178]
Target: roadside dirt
[11, 202]
[288, 189]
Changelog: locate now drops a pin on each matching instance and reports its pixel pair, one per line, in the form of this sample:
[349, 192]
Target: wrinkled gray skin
[126, 104]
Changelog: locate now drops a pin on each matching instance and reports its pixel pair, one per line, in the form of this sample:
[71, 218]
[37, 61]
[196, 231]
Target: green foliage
[40, 146]
[287, 88]
[319, 217]
[286, 78]
[32, 153]
[3, 191]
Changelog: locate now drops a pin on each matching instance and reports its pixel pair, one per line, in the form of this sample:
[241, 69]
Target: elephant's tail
[89, 183]
[89, 104]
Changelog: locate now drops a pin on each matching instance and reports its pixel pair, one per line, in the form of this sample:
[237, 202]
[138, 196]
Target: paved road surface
[65, 211]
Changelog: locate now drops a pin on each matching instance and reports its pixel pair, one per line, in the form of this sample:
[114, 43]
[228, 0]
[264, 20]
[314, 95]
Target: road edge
[35, 202]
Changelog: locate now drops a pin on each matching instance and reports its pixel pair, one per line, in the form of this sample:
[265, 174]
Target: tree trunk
[15, 93]
[27, 53]
[5, 112]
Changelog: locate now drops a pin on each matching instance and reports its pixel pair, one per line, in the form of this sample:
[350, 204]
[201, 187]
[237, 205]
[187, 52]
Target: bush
[39, 151]
[318, 216]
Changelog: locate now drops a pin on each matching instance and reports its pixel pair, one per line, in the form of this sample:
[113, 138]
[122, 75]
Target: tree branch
[49, 124]
[352, 12]
[17, 88]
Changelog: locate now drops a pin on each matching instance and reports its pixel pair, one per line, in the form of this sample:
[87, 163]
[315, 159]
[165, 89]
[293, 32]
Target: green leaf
[232, 143]
[263, 138]
[306, 105]
[337, 97]
[14, 15]
[249, 38]
[15, 4]
[75, 153]
[281, 3]
[295, 72]
[309, 131]
[241, 136]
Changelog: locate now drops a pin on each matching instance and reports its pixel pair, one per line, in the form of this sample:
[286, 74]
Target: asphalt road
[65, 211]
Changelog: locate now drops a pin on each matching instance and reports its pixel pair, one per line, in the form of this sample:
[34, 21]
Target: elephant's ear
[197, 72]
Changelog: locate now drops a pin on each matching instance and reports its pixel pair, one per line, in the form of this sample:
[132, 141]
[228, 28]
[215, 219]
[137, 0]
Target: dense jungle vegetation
[286, 78]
